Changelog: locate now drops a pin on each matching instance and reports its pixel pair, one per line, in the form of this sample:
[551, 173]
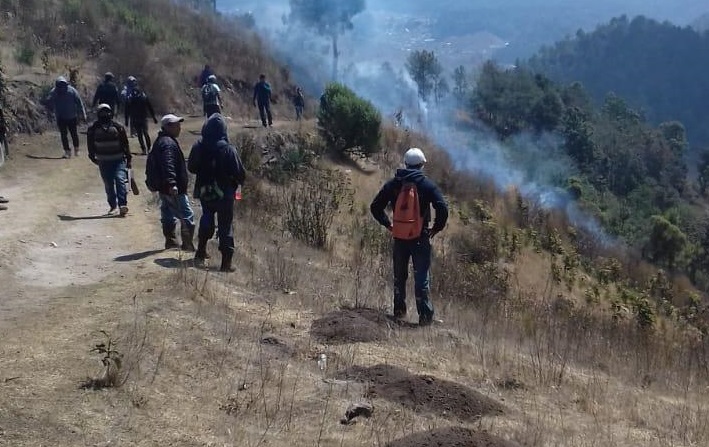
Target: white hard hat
[414, 157]
[104, 107]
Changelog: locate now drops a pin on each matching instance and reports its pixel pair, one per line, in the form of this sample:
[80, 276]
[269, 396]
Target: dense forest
[629, 173]
[659, 68]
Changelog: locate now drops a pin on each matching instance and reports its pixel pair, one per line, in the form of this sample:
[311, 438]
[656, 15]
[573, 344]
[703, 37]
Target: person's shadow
[136, 256]
[67, 218]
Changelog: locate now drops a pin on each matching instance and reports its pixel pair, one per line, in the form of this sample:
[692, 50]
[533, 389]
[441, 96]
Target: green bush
[347, 123]
[24, 54]
[310, 207]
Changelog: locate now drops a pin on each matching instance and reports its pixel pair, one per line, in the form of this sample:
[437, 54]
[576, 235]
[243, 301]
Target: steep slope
[547, 338]
[655, 66]
[162, 43]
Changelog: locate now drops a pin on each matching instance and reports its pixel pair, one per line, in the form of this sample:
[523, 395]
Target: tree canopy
[329, 18]
[658, 68]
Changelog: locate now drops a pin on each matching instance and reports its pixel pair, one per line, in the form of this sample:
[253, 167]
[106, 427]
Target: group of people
[69, 109]
[220, 173]
[216, 163]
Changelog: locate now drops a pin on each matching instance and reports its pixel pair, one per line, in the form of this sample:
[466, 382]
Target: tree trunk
[335, 56]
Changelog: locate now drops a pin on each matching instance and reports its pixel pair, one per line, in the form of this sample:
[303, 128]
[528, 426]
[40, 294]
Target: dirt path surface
[208, 359]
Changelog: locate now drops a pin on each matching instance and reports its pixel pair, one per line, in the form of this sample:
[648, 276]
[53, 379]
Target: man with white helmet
[108, 148]
[211, 97]
[411, 196]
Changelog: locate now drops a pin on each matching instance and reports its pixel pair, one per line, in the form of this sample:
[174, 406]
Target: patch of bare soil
[352, 326]
[451, 437]
[424, 393]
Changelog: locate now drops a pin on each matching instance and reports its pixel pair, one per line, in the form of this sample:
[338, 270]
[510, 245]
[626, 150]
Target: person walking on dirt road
[211, 97]
[137, 108]
[219, 173]
[262, 99]
[166, 173]
[68, 108]
[299, 103]
[107, 93]
[109, 149]
[411, 196]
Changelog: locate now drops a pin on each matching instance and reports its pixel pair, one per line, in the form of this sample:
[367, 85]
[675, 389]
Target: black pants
[419, 253]
[211, 109]
[224, 209]
[264, 109]
[141, 128]
[68, 127]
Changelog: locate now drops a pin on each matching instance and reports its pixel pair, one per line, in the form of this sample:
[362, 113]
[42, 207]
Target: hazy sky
[524, 24]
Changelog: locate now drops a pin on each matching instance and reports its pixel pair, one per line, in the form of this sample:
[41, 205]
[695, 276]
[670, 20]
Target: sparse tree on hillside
[460, 81]
[441, 89]
[329, 18]
[425, 70]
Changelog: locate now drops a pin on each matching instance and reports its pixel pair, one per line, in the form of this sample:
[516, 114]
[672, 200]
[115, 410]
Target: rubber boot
[201, 255]
[187, 233]
[170, 238]
[226, 262]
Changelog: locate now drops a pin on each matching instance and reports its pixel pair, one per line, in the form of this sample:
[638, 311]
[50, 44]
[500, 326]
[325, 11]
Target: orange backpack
[408, 222]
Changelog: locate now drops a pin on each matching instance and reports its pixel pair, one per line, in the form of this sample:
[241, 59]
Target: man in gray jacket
[68, 108]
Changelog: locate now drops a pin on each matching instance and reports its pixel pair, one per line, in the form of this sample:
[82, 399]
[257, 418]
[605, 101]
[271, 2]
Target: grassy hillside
[569, 342]
[160, 42]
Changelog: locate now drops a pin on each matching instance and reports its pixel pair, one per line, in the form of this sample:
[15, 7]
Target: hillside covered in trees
[630, 174]
[659, 68]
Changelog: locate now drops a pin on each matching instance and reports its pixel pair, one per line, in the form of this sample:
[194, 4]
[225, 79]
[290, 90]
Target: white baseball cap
[414, 157]
[170, 119]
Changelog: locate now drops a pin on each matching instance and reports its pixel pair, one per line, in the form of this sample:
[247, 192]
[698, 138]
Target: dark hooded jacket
[106, 93]
[428, 192]
[213, 159]
[66, 101]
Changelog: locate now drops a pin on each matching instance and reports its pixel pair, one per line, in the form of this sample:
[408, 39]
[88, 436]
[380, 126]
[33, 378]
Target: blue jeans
[419, 252]
[115, 178]
[224, 209]
[174, 208]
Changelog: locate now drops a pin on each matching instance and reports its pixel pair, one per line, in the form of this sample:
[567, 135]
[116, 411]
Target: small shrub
[349, 124]
[311, 206]
[24, 54]
[112, 362]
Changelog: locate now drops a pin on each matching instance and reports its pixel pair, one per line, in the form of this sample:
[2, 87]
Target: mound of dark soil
[351, 326]
[451, 437]
[424, 393]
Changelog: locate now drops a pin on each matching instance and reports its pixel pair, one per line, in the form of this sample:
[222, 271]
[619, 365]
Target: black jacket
[213, 159]
[106, 93]
[171, 160]
[137, 107]
[428, 192]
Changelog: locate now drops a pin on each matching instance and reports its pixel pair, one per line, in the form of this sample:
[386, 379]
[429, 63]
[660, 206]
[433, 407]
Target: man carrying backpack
[68, 108]
[108, 149]
[136, 110]
[211, 98]
[219, 173]
[166, 173]
[107, 93]
[411, 196]
[262, 99]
